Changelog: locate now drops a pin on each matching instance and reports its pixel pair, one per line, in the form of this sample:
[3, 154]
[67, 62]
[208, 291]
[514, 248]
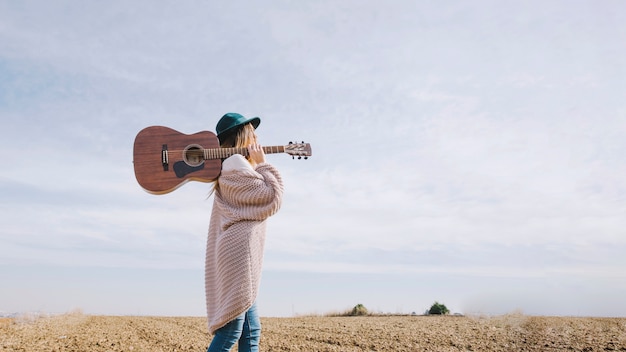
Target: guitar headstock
[299, 149]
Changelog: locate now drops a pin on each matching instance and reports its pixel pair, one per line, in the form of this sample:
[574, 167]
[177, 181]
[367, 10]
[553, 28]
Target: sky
[469, 153]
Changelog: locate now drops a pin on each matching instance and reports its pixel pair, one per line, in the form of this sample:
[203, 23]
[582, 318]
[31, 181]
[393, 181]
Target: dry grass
[515, 332]
[5, 321]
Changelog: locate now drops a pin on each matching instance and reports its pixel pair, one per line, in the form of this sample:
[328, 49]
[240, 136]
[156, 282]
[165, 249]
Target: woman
[247, 192]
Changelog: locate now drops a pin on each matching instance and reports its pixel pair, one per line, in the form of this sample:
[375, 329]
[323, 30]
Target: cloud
[477, 141]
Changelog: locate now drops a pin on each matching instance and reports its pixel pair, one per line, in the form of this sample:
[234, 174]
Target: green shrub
[438, 309]
[359, 309]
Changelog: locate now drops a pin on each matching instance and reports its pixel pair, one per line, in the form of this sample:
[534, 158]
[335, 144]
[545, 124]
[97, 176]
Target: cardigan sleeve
[247, 193]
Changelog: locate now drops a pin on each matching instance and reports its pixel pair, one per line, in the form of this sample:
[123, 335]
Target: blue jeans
[244, 330]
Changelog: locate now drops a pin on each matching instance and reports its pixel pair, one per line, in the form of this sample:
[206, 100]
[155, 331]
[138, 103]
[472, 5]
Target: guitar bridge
[165, 159]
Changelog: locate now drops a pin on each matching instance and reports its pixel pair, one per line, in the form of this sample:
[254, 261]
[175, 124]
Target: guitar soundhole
[193, 155]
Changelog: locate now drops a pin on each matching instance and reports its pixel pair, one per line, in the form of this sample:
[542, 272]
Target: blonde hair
[245, 136]
[242, 139]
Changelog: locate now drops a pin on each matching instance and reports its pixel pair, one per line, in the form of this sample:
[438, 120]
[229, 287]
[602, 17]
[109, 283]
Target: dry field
[516, 332]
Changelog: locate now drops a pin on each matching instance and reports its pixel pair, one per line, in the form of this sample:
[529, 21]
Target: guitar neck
[223, 153]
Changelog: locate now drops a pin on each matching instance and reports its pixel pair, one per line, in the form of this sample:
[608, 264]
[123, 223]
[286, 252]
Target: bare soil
[516, 332]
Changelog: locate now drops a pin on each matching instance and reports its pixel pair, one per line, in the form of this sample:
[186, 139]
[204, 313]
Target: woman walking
[247, 192]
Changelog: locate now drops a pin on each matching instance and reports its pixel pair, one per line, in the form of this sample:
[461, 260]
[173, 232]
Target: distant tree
[438, 309]
[359, 309]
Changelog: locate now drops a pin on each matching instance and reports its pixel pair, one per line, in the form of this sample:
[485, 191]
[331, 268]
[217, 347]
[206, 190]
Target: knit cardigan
[244, 198]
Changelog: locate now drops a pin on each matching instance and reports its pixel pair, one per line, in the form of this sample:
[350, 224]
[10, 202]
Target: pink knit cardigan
[244, 199]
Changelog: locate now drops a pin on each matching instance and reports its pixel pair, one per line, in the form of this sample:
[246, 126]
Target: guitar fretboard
[223, 153]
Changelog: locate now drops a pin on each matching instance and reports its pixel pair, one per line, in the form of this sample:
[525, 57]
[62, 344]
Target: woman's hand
[256, 154]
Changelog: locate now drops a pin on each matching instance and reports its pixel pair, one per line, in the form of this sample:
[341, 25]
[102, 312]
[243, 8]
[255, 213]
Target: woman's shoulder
[236, 162]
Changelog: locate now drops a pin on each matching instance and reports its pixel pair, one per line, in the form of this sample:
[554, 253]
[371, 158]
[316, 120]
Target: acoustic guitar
[164, 159]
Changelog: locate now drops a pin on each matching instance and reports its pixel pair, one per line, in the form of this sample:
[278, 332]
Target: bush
[438, 309]
[359, 309]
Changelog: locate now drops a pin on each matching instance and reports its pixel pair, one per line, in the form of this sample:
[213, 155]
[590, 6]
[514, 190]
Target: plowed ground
[78, 332]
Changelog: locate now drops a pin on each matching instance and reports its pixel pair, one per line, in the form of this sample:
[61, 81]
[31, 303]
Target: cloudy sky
[471, 153]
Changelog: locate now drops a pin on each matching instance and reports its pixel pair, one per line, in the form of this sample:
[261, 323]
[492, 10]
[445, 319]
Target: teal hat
[230, 122]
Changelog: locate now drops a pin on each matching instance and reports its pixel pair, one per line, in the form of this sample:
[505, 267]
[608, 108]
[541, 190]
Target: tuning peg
[306, 157]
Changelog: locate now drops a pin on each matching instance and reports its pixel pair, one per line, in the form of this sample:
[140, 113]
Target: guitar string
[220, 153]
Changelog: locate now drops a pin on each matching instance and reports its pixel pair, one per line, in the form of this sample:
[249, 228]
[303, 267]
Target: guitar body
[164, 159]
